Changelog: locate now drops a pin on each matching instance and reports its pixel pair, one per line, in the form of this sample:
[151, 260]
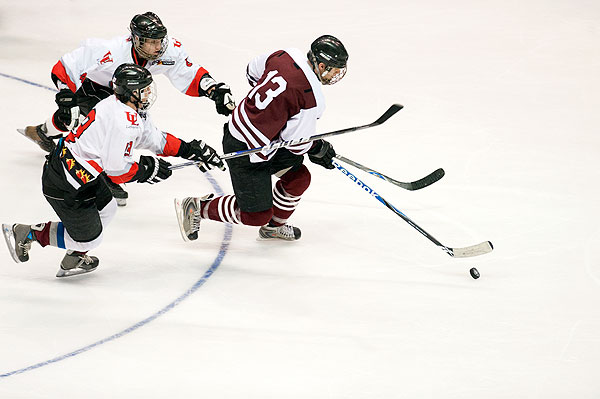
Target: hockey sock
[51, 233]
[287, 193]
[222, 209]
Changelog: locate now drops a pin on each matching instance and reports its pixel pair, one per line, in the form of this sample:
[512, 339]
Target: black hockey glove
[198, 150]
[223, 99]
[68, 111]
[322, 154]
[153, 170]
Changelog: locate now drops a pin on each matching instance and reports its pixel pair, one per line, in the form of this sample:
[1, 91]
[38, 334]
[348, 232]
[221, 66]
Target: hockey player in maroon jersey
[103, 143]
[83, 75]
[284, 104]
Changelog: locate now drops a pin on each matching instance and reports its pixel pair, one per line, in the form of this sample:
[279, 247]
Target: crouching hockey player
[83, 75]
[102, 145]
[284, 104]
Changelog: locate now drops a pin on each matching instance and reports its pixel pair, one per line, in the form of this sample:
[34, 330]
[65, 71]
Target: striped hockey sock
[284, 204]
[222, 209]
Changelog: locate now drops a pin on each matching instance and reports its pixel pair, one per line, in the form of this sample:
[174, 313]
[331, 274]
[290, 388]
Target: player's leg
[286, 196]
[251, 204]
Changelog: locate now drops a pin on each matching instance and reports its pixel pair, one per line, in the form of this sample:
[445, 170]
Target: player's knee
[256, 218]
[296, 182]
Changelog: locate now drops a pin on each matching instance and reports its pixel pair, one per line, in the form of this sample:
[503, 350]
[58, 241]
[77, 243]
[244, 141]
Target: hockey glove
[223, 99]
[68, 111]
[198, 150]
[153, 169]
[322, 153]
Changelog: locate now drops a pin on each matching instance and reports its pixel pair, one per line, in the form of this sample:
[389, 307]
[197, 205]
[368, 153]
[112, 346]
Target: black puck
[474, 273]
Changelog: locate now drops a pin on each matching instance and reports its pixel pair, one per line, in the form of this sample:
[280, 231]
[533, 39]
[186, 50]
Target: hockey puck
[474, 273]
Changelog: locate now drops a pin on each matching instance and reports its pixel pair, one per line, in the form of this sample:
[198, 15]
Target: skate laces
[195, 221]
[85, 258]
[25, 247]
[286, 231]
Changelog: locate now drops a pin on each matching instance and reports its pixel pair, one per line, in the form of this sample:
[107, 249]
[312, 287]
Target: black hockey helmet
[134, 83]
[330, 51]
[148, 26]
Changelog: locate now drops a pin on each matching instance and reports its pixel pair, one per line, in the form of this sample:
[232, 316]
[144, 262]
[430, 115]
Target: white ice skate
[285, 232]
[188, 216]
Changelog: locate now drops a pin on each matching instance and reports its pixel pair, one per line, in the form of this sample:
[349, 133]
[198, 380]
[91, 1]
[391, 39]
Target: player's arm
[304, 125]
[194, 80]
[166, 144]
[67, 75]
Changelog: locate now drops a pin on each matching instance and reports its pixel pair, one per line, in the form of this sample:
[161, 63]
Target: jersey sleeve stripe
[195, 85]
[172, 146]
[61, 73]
[126, 177]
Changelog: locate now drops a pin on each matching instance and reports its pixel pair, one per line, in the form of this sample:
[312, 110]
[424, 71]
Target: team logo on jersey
[82, 77]
[83, 176]
[176, 43]
[187, 62]
[132, 118]
[70, 163]
[63, 152]
[163, 62]
[106, 58]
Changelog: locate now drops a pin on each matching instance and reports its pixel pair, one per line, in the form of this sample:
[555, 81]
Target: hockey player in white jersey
[284, 104]
[83, 75]
[102, 145]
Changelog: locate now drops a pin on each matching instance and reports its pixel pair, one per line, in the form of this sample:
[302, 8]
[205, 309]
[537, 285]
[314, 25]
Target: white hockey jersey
[105, 142]
[97, 59]
[285, 103]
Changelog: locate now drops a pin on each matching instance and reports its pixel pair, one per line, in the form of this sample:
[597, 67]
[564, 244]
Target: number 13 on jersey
[278, 86]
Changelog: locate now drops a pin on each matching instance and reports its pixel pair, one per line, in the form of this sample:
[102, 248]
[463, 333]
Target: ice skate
[285, 232]
[188, 216]
[117, 191]
[75, 263]
[37, 134]
[18, 239]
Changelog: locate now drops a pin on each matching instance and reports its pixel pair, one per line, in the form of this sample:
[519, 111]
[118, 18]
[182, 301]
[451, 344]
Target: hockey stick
[278, 144]
[413, 185]
[466, 252]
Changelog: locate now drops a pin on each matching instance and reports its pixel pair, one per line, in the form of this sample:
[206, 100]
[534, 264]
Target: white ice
[502, 94]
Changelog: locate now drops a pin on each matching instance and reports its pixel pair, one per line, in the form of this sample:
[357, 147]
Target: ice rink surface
[502, 94]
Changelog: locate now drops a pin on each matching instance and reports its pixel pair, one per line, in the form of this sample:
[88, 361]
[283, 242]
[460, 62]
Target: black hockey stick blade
[388, 114]
[426, 181]
[414, 185]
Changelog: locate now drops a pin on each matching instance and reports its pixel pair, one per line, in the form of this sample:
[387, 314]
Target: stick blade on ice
[474, 250]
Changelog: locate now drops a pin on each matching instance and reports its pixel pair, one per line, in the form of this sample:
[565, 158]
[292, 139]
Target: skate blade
[73, 272]
[22, 131]
[179, 213]
[10, 241]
